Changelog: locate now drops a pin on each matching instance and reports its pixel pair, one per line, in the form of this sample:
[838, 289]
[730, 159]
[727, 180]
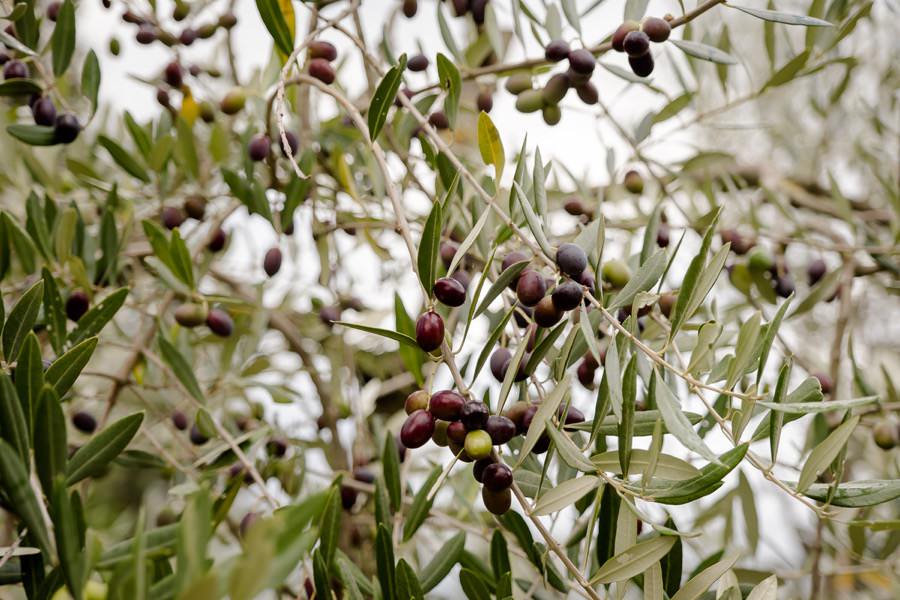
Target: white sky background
[579, 142]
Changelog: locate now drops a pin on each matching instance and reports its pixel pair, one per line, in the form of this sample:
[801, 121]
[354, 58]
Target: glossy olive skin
[456, 432]
[417, 63]
[76, 305]
[417, 400]
[516, 414]
[885, 435]
[546, 313]
[497, 477]
[478, 444]
[657, 29]
[322, 70]
[322, 49]
[784, 286]
[197, 438]
[633, 182]
[499, 360]
[571, 260]
[219, 322]
[439, 120]
[636, 43]
[531, 288]
[84, 422]
[440, 437]
[582, 61]
[191, 314]
[567, 295]
[446, 405]
[430, 332]
[500, 428]
[587, 93]
[218, 240]
[557, 50]
[586, 372]
[666, 303]
[449, 291]
[272, 261]
[417, 429]
[642, 65]
[616, 273]
[44, 112]
[496, 502]
[459, 451]
[618, 38]
[479, 467]
[474, 415]
[259, 147]
[448, 251]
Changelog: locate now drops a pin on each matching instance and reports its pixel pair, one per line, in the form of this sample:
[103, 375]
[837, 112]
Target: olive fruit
[478, 444]
[322, 70]
[478, 10]
[219, 322]
[459, 451]
[172, 217]
[572, 415]
[322, 49]
[430, 331]
[474, 415]
[173, 74]
[259, 147]
[582, 61]
[496, 502]
[272, 261]
[518, 83]
[329, 314]
[825, 382]
[53, 10]
[567, 295]
[616, 273]
[586, 279]
[636, 43]
[586, 372]
[633, 182]
[642, 65]
[293, 144]
[816, 270]
[784, 285]
[190, 314]
[15, 69]
[657, 29]
[179, 420]
[76, 305]
[552, 114]
[618, 38]
[447, 251]
[410, 8]
[500, 428]
[146, 35]
[587, 93]
[571, 259]
[227, 20]
[196, 436]
[556, 50]
[84, 422]
[760, 261]
[456, 432]
[417, 429]
[195, 206]
[884, 433]
[233, 102]
[662, 235]
[446, 405]
[276, 447]
[44, 111]
[438, 119]
[449, 291]
[247, 522]
[667, 303]
[512, 258]
[348, 497]
[479, 467]
[499, 360]
[497, 477]
[484, 101]
[516, 414]
[217, 242]
[531, 288]
[546, 313]
[417, 63]
[418, 400]
[66, 128]
[555, 89]
[530, 101]
[439, 437]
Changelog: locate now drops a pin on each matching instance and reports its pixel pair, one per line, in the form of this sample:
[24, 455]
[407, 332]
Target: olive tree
[337, 327]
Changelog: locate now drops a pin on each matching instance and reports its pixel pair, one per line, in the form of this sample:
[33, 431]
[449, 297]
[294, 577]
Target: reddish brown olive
[447, 251]
[446, 405]
[531, 287]
[636, 43]
[417, 429]
[557, 50]
[322, 70]
[217, 242]
[430, 331]
[582, 61]
[516, 414]
[497, 477]
[484, 101]
[618, 38]
[259, 147]
[587, 93]
[456, 432]
[172, 217]
[322, 49]
[825, 381]
[586, 372]
[667, 303]
[657, 29]
[449, 291]
[219, 322]
[500, 428]
[438, 119]
[179, 420]
[272, 261]
[499, 359]
[195, 206]
[417, 63]
[573, 415]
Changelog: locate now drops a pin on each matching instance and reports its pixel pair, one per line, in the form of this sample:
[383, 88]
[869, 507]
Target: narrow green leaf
[704, 52]
[856, 494]
[97, 317]
[29, 381]
[15, 483]
[90, 78]
[20, 320]
[634, 560]
[384, 558]
[667, 466]
[407, 583]
[644, 279]
[103, 447]
[68, 538]
[439, 566]
[823, 454]
[806, 408]
[500, 284]
[490, 145]
[124, 159]
[181, 368]
[397, 337]
[54, 313]
[273, 19]
[534, 222]
[430, 242]
[13, 425]
[50, 449]
[421, 505]
[626, 426]
[744, 350]
[565, 494]
[697, 585]
[545, 411]
[330, 525]
[384, 96]
[780, 17]
[181, 259]
[33, 135]
[63, 372]
[390, 464]
[569, 452]
[451, 83]
[63, 40]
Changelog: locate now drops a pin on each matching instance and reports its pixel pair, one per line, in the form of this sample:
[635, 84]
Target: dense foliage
[338, 329]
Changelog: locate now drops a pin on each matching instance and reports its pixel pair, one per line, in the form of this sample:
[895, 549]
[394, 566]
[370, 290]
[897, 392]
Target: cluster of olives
[461, 8]
[547, 99]
[150, 31]
[321, 55]
[194, 314]
[634, 39]
[194, 207]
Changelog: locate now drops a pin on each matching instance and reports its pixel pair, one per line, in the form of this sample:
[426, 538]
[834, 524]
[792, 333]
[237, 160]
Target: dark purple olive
[556, 50]
[53, 10]
[531, 288]
[824, 381]
[571, 260]
[179, 420]
[497, 477]
[446, 405]
[657, 29]
[586, 373]
[293, 144]
[44, 112]
[259, 147]
[497, 503]
[329, 314]
[322, 70]
[448, 251]
[516, 414]
[247, 522]
[76, 305]
[15, 69]
[456, 432]
[195, 206]
[636, 43]
[219, 322]
[474, 415]
[642, 66]
[816, 271]
[479, 467]
[567, 295]
[546, 314]
[272, 261]
[417, 429]
[417, 63]
[662, 236]
[322, 49]
[484, 101]
[188, 36]
[582, 61]
[172, 217]
[463, 278]
[784, 285]
[276, 447]
[218, 240]
[84, 422]
[618, 38]
[587, 93]
[573, 415]
[500, 428]
[449, 291]
[364, 476]
[438, 119]
[66, 128]
[512, 258]
[173, 74]
[499, 359]
[430, 332]
[146, 35]
[348, 497]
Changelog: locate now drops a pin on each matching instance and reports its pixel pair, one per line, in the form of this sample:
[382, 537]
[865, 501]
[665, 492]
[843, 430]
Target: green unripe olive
[885, 435]
[760, 260]
[478, 444]
[556, 88]
[417, 400]
[633, 182]
[114, 46]
[190, 314]
[234, 101]
[552, 114]
[530, 101]
[518, 83]
[616, 273]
